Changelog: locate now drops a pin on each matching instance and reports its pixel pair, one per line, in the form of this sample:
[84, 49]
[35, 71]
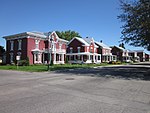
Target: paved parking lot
[75, 91]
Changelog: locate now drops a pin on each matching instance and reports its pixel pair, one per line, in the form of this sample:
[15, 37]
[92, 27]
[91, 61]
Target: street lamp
[50, 39]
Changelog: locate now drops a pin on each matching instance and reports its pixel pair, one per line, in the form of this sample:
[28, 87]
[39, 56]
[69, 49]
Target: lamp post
[49, 53]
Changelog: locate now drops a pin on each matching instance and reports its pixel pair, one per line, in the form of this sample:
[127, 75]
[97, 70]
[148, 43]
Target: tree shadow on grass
[125, 72]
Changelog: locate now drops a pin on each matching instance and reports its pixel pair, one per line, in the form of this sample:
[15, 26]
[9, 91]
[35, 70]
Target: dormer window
[11, 45]
[71, 49]
[79, 49]
[19, 44]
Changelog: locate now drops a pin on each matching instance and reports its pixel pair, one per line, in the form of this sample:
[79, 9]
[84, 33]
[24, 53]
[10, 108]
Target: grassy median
[40, 68]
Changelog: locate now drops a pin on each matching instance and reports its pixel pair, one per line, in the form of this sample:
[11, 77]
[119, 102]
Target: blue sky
[93, 18]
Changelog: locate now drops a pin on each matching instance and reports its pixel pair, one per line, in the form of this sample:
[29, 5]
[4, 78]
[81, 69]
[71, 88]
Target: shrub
[114, 62]
[23, 63]
[118, 62]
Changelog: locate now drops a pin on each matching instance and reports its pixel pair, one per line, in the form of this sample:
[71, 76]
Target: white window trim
[37, 41]
[11, 45]
[19, 44]
[11, 57]
[79, 49]
[71, 50]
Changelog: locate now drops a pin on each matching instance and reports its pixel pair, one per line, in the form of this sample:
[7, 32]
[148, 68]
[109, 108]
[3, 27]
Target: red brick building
[81, 51]
[147, 57]
[134, 56]
[141, 55]
[105, 51]
[34, 45]
[121, 53]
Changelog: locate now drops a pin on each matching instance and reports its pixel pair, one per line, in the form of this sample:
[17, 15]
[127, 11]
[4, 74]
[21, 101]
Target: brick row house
[141, 55]
[81, 51]
[105, 51]
[34, 45]
[134, 55]
[121, 53]
[37, 45]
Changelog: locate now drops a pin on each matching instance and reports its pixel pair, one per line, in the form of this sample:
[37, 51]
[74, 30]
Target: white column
[74, 57]
[89, 57]
[82, 58]
[107, 58]
[97, 57]
[94, 58]
[62, 58]
[39, 57]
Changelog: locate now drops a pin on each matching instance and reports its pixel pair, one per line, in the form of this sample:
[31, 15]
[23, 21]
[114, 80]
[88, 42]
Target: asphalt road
[123, 89]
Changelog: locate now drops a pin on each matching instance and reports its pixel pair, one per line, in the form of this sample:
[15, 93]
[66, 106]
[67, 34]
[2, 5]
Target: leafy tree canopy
[68, 35]
[2, 50]
[136, 18]
[122, 45]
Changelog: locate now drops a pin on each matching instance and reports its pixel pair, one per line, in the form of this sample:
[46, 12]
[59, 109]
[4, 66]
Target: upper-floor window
[79, 49]
[11, 45]
[60, 45]
[37, 44]
[71, 49]
[107, 51]
[91, 49]
[19, 44]
[87, 49]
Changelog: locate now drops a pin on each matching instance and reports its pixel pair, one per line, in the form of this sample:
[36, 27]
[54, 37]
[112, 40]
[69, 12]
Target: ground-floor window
[36, 57]
[11, 57]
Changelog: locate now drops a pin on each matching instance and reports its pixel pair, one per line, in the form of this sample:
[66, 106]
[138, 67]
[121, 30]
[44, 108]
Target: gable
[79, 40]
[75, 42]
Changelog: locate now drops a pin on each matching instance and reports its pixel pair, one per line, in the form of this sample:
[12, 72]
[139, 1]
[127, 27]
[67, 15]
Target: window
[36, 57]
[71, 49]
[11, 45]
[79, 49]
[91, 49]
[11, 57]
[60, 46]
[37, 44]
[78, 57]
[99, 57]
[19, 44]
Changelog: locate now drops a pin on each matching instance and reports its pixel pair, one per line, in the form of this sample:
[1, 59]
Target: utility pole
[49, 53]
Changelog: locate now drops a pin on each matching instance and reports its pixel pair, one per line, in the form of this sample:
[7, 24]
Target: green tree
[68, 35]
[122, 45]
[2, 50]
[136, 18]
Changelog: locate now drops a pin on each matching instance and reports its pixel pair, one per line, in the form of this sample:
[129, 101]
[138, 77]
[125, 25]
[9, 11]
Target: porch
[84, 57]
[127, 58]
[108, 58]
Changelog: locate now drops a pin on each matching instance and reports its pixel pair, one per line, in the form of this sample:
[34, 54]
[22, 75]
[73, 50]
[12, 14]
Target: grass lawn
[40, 68]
